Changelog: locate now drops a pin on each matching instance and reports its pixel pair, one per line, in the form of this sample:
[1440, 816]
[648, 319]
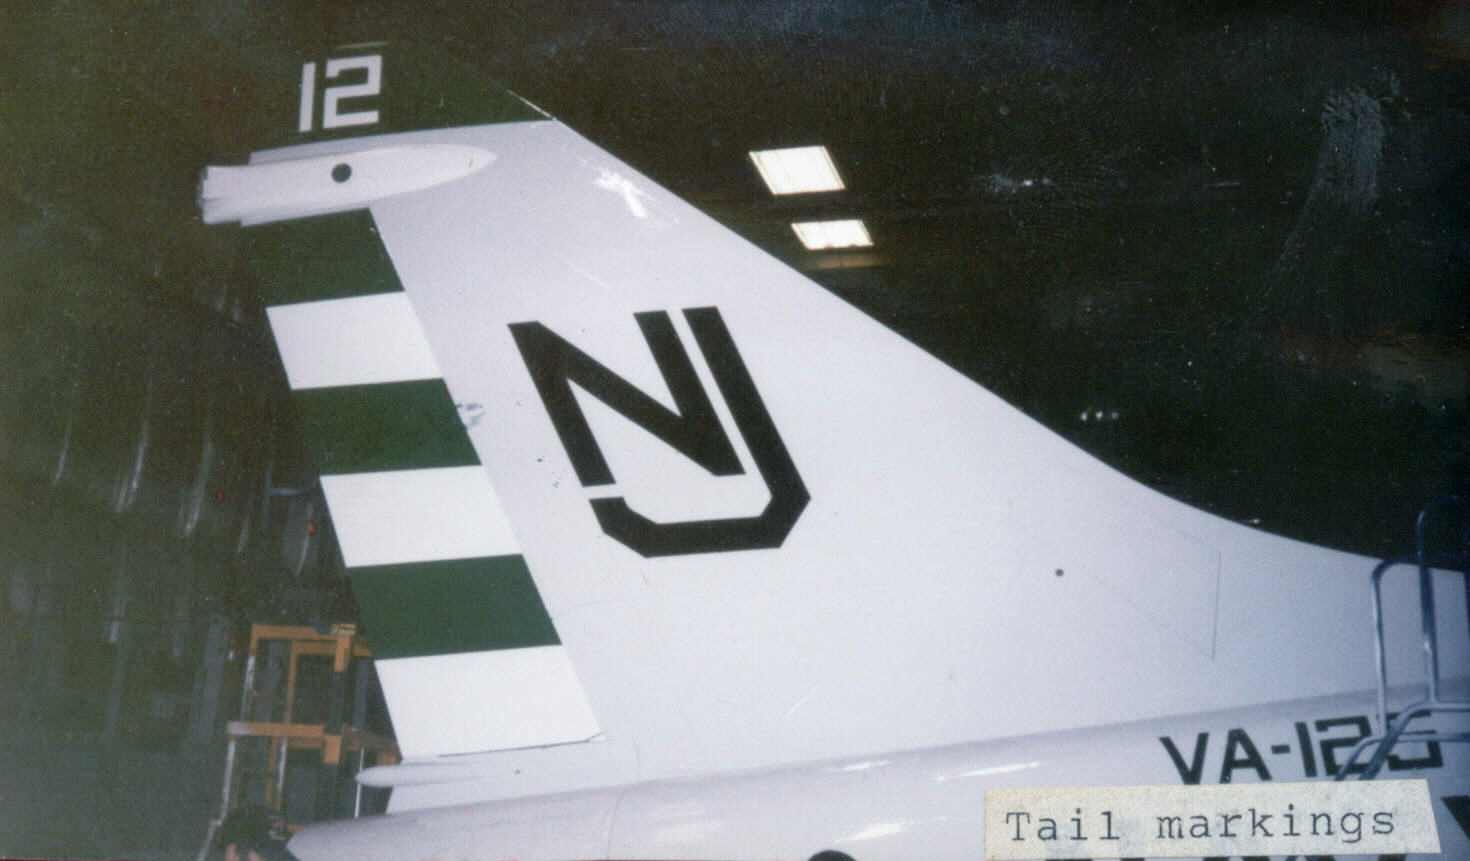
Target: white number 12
[333, 118]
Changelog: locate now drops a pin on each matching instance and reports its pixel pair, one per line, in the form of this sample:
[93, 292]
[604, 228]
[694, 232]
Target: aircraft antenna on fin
[297, 188]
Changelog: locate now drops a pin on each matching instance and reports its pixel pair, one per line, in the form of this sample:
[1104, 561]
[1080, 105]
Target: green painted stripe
[442, 608]
[411, 425]
[334, 256]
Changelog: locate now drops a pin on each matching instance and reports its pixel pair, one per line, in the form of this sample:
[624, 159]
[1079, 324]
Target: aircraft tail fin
[561, 413]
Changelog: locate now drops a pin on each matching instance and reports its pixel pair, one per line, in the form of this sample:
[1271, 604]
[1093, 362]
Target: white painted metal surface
[895, 806]
[384, 518]
[450, 703]
[343, 342]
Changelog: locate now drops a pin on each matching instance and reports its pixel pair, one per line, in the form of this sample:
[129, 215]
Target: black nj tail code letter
[694, 431]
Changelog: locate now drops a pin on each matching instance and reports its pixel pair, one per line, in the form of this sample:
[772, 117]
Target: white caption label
[1319, 818]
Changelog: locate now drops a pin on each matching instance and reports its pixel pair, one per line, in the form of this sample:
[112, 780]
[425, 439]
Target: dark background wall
[1222, 246]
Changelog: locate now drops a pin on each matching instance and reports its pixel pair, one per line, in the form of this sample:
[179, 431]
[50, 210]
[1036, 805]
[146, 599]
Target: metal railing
[1394, 729]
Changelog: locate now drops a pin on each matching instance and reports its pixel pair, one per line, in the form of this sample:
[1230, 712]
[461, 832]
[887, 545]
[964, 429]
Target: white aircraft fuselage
[903, 805]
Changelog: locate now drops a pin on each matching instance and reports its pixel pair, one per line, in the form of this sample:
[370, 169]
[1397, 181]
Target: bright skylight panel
[798, 170]
[822, 235]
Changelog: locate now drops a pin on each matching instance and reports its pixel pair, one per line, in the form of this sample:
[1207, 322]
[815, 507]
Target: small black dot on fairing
[342, 173]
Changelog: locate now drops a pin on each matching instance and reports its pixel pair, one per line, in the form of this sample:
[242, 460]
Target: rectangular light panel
[822, 235]
[797, 170]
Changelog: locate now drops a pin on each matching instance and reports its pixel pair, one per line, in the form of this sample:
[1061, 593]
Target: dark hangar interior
[1222, 246]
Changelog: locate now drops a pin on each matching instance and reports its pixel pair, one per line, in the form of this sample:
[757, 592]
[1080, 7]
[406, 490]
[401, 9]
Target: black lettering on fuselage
[1192, 773]
[1240, 752]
